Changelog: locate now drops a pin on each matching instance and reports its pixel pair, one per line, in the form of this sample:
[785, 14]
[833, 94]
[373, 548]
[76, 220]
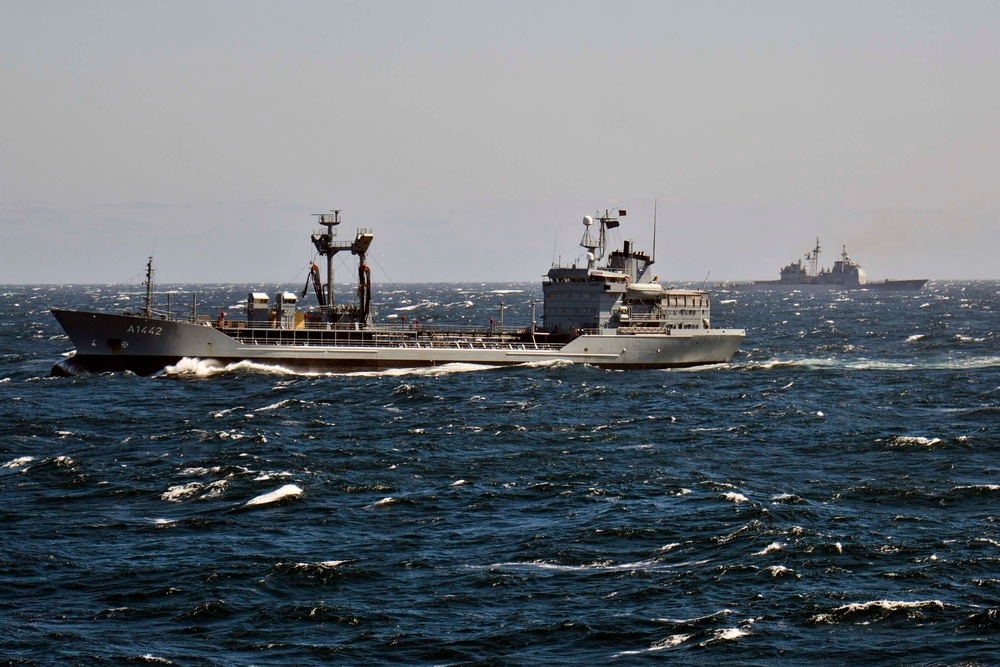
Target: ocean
[830, 496]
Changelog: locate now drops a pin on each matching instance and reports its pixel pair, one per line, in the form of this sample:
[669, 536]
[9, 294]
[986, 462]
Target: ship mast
[813, 259]
[325, 246]
[596, 248]
[149, 288]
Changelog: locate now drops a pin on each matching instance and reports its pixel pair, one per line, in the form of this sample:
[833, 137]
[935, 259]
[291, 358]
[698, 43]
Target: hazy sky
[472, 137]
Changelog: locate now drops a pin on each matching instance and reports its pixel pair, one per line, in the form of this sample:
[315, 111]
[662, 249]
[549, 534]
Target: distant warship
[845, 274]
[610, 315]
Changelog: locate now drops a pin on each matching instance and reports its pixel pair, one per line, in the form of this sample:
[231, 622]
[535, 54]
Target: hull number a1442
[150, 331]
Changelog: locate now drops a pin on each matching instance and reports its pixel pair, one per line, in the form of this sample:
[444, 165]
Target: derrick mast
[328, 247]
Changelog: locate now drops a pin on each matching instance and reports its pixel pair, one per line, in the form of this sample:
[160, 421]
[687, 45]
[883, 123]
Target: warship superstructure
[845, 274]
[611, 315]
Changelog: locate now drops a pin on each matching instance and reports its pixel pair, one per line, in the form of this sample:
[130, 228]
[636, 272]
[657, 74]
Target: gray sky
[472, 137]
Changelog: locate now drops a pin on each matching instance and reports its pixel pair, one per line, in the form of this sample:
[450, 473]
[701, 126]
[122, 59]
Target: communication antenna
[555, 244]
[149, 281]
[654, 232]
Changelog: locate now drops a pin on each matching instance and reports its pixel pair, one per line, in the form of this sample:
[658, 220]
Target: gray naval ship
[610, 314]
[845, 274]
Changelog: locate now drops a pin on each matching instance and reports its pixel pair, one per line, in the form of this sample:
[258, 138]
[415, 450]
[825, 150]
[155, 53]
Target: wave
[203, 368]
[422, 304]
[19, 462]
[704, 368]
[863, 612]
[284, 493]
[312, 568]
[691, 629]
[649, 565]
[913, 440]
[813, 363]
[770, 549]
[432, 371]
[974, 490]
[552, 363]
[182, 492]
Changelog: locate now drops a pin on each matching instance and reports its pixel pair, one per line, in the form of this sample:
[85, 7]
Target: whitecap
[915, 337]
[268, 476]
[847, 610]
[275, 406]
[663, 644]
[203, 368]
[388, 500]
[978, 487]
[730, 634]
[770, 548]
[194, 366]
[779, 570]
[701, 368]
[553, 363]
[736, 497]
[18, 462]
[697, 620]
[428, 371]
[199, 471]
[460, 482]
[287, 491]
[215, 489]
[597, 566]
[177, 493]
[325, 565]
[908, 440]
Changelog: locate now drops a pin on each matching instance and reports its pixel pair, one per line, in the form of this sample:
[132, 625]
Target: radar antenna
[597, 247]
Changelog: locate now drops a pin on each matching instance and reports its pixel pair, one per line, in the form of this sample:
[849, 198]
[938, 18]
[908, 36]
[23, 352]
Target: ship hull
[145, 346]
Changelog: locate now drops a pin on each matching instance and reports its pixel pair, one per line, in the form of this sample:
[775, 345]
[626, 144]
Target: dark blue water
[832, 495]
